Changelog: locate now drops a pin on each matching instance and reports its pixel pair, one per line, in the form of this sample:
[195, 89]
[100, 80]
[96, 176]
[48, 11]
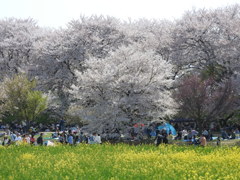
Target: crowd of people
[73, 138]
[16, 134]
[17, 138]
[162, 137]
[64, 137]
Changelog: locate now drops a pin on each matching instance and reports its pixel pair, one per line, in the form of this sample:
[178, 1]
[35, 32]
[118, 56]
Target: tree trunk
[200, 126]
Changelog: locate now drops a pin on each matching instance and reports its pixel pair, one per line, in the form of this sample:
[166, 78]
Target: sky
[57, 13]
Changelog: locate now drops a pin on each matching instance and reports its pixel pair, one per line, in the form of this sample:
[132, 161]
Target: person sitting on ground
[32, 139]
[24, 140]
[28, 139]
[233, 135]
[55, 135]
[13, 137]
[90, 139]
[18, 139]
[237, 133]
[61, 138]
[179, 135]
[195, 140]
[97, 138]
[184, 134]
[224, 134]
[189, 136]
[203, 141]
[94, 138]
[6, 141]
[194, 132]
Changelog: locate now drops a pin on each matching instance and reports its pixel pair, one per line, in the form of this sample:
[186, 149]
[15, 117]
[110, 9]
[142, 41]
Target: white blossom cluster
[130, 85]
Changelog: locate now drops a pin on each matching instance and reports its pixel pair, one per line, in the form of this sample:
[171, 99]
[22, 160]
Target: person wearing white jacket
[97, 138]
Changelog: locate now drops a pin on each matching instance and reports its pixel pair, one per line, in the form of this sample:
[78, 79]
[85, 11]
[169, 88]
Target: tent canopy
[168, 127]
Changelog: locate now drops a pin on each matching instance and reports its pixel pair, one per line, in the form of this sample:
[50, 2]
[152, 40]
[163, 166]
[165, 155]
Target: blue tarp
[168, 127]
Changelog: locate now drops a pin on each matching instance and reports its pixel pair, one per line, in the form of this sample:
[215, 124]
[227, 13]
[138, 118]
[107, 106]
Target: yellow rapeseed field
[119, 161]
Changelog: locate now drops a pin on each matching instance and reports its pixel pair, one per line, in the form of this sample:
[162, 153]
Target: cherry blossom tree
[208, 39]
[131, 85]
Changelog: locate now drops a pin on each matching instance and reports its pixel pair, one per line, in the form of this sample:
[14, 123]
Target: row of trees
[108, 72]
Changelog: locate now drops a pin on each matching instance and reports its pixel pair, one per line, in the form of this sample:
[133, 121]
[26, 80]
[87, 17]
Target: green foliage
[45, 118]
[74, 119]
[20, 100]
[8, 118]
[36, 103]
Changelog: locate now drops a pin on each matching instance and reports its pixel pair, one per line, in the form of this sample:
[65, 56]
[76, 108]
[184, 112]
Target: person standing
[219, 141]
[75, 138]
[65, 137]
[159, 139]
[61, 124]
[40, 139]
[165, 136]
[81, 137]
[70, 139]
